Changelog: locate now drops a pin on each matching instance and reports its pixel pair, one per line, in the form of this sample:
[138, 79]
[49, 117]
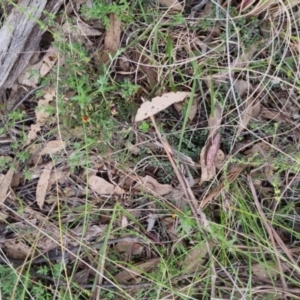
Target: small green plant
[144, 126]
[102, 9]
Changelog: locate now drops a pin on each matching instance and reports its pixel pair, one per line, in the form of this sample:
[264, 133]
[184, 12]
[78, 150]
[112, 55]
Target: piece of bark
[20, 35]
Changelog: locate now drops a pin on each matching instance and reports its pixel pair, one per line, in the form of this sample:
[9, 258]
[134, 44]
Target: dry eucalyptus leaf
[133, 272]
[43, 183]
[5, 184]
[150, 108]
[194, 259]
[150, 184]
[102, 187]
[173, 4]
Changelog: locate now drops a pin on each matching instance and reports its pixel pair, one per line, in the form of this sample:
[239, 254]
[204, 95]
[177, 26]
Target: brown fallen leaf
[149, 184]
[103, 187]
[43, 183]
[5, 184]
[133, 272]
[150, 108]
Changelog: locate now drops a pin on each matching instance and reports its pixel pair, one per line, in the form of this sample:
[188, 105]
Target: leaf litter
[107, 195]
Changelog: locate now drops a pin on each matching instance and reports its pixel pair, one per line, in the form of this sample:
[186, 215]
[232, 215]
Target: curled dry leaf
[43, 183]
[102, 187]
[133, 272]
[150, 108]
[149, 184]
